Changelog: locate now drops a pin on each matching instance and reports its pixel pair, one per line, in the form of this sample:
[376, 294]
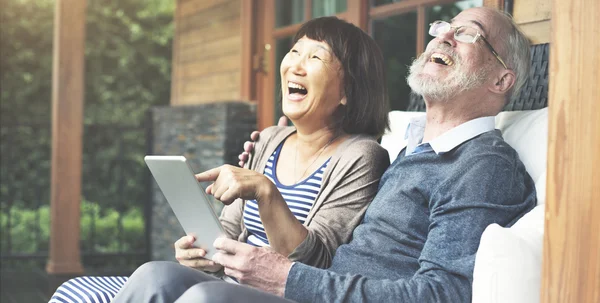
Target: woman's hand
[193, 257]
[232, 182]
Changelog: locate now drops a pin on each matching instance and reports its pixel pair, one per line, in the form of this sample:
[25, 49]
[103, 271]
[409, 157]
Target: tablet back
[187, 198]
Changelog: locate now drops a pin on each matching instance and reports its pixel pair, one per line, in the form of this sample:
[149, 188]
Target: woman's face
[311, 82]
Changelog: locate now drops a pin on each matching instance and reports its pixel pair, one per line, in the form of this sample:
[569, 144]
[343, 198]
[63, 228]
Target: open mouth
[296, 90]
[441, 59]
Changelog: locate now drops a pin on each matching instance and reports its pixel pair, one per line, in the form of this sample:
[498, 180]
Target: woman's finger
[189, 254]
[184, 242]
[197, 263]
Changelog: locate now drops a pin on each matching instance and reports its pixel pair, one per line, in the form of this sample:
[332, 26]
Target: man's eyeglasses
[463, 34]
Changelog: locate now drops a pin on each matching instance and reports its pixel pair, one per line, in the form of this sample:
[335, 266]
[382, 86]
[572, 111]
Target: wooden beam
[67, 130]
[497, 4]
[247, 32]
[571, 263]
[284, 32]
[265, 90]
[421, 29]
[175, 70]
[358, 13]
[388, 10]
[307, 10]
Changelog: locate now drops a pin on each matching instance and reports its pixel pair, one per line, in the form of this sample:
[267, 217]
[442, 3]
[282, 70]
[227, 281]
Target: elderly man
[418, 239]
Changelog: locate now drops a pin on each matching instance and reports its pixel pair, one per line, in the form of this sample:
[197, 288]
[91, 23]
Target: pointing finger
[209, 175]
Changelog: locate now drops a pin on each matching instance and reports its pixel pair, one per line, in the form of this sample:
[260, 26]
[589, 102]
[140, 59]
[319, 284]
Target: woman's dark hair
[365, 86]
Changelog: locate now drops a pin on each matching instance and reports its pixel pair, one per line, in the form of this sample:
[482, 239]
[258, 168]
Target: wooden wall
[206, 52]
[533, 16]
[571, 263]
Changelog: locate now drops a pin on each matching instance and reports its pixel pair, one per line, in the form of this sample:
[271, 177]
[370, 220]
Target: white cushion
[527, 133]
[393, 140]
[508, 262]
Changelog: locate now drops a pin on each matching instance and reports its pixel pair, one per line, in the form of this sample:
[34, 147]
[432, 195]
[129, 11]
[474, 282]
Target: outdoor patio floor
[24, 286]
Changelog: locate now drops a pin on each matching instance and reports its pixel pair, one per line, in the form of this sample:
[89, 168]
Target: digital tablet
[187, 198]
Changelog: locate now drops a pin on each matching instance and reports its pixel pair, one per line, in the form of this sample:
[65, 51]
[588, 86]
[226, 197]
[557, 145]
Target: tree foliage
[127, 70]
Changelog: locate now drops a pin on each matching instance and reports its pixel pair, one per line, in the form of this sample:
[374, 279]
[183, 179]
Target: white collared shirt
[451, 138]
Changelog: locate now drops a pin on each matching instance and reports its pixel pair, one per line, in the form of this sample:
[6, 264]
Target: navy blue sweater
[419, 236]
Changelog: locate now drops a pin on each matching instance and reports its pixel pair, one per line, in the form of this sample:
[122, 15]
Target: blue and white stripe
[88, 289]
[299, 197]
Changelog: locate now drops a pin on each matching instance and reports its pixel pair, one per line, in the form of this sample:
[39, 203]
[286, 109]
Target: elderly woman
[306, 187]
[309, 185]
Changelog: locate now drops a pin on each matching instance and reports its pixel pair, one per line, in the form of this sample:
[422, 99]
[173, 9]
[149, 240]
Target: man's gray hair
[517, 54]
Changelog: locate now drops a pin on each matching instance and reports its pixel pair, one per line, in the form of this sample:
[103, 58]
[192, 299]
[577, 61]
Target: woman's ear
[504, 82]
[343, 101]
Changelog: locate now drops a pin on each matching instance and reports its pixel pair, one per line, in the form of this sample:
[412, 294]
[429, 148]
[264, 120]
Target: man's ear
[504, 82]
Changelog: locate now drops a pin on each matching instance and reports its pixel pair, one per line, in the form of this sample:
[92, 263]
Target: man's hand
[232, 182]
[249, 145]
[261, 268]
[193, 257]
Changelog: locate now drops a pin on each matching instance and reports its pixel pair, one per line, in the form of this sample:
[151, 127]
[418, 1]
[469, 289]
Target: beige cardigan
[350, 182]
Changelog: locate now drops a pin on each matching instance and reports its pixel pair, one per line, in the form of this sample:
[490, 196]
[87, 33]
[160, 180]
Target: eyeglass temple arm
[493, 51]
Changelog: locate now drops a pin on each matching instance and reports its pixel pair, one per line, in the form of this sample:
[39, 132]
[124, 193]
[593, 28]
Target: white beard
[457, 80]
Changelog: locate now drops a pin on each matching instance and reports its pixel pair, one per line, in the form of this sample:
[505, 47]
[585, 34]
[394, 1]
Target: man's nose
[447, 38]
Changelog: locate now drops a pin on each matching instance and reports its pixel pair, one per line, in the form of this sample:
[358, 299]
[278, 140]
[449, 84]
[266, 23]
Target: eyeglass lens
[462, 33]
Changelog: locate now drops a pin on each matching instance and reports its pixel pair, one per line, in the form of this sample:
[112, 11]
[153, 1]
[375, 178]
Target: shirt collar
[451, 138]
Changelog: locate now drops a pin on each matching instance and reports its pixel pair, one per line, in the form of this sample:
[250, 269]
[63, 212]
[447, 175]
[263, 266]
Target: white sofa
[508, 262]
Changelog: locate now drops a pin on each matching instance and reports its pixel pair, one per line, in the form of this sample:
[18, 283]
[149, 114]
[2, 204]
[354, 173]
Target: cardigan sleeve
[230, 218]
[352, 185]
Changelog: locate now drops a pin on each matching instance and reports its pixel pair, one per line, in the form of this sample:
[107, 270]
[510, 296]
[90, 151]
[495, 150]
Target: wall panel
[534, 18]
[207, 52]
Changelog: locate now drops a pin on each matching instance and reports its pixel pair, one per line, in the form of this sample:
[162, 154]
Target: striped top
[88, 289]
[299, 197]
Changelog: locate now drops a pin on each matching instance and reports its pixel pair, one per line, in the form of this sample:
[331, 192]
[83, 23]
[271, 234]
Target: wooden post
[67, 129]
[498, 4]
[248, 37]
[358, 13]
[571, 265]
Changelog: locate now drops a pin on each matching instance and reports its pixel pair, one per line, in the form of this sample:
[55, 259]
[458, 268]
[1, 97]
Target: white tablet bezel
[187, 199]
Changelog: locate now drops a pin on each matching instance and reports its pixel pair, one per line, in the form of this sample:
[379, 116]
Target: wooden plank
[287, 31]
[215, 14]
[210, 92]
[388, 10]
[247, 83]
[532, 11]
[67, 131]
[571, 263]
[198, 98]
[215, 65]
[537, 32]
[205, 51]
[212, 82]
[211, 32]
[192, 7]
